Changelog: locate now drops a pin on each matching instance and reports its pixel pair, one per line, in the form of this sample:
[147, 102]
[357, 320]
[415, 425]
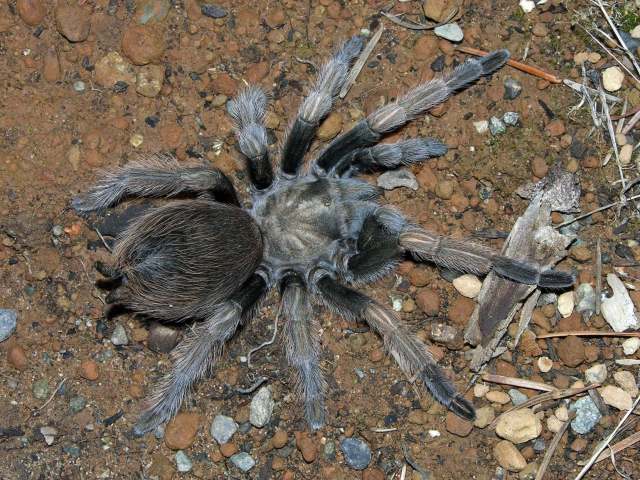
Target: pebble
[51, 70]
[481, 126]
[398, 178]
[149, 80]
[49, 434]
[480, 390]
[484, 416]
[261, 407]
[180, 432]
[32, 12]
[519, 426]
[618, 310]
[545, 364]
[40, 389]
[77, 404]
[450, 31]
[89, 370]
[279, 439]
[17, 357]
[566, 304]
[119, 336]
[307, 447]
[517, 397]
[243, 461]
[635, 32]
[443, 333]
[585, 299]
[540, 30]
[631, 345]
[571, 351]
[612, 79]
[183, 463]
[511, 119]
[228, 449]
[162, 339]
[468, 285]
[8, 322]
[616, 397]
[527, 6]
[554, 424]
[152, 11]
[625, 154]
[142, 44]
[73, 22]
[512, 88]
[223, 428]
[213, 11]
[581, 57]
[496, 126]
[444, 189]
[508, 456]
[112, 68]
[330, 127]
[627, 381]
[356, 452]
[136, 140]
[587, 415]
[497, 396]
[428, 301]
[596, 373]
[418, 417]
[458, 426]
[555, 128]
[539, 167]
[79, 86]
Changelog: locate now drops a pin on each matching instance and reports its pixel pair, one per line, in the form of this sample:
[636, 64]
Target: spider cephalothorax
[312, 232]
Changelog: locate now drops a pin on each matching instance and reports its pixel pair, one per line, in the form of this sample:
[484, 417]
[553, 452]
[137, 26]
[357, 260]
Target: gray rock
[587, 415]
[213, 11]
[8, 322]
[223, 428]
[77, 404]
[450, 31]
[57, 230]
[119, 336]
[517, 397]
[357, 453]
[72, 450]
[398, 178]
[330, 450]
[511, 118]
[443, 332]
[539, 445]
[49, 434]
[243, 461]
[585, 299]
[79, 86]
[40, 389]
[159, 432]
[512, 88]
[496, 126]
[261, 407]
[546, 299]
[152, 11]
[183, 463]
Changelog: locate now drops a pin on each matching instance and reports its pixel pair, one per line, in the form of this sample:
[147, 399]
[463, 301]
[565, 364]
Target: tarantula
[313, 232]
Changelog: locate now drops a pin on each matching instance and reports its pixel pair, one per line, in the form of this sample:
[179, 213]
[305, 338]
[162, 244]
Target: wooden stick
[355, 70]
[598, 276]
[621, 445]
[536, 72]
[588, 333]
[517, 382]
[552, 447]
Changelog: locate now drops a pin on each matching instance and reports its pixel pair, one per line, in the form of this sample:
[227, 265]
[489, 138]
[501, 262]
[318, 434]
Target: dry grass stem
[362, 59]
[518, 382]
[552, 447]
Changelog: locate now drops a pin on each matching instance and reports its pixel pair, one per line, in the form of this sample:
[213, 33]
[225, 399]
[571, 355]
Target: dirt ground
[68, 110]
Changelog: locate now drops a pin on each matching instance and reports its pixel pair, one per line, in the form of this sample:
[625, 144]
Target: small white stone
[136, 140]
[596, 374]
[482, 126]
[635, 33]
[527, 5]
[545, 364]
[519, 426]
[565, 304]
[49, 434]
[625, 154]
[631, 345]
[554, 424]
[621, 139]
[562, 413]
[480, 390]
[612, 79]
[433, 433]
[627, 381]
[616, 397]
[450, 31]
[618, 310]
[468, 285]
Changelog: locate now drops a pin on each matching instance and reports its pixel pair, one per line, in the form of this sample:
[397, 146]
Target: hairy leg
[317, 105]
[411, 105]
[156, 176]
[247, 110]
[465, 256]
[389, 155]
[198, 351]
[410, 354]
[301, 333]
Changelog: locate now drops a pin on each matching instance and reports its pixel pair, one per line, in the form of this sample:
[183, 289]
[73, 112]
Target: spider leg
[317, 105]
[247, 110]
[301, 331]
[389, 155]
[156, 176]
[198, 351]
[465, 256]
[411, 355]
[411, 105]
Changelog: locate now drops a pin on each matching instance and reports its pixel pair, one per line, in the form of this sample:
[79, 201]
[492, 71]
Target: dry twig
[362, 59]
[552, 447]
[518, 382]
[588, 333]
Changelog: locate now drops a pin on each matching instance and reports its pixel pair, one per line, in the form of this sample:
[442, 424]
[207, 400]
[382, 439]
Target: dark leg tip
[556, 279]
[462, 408]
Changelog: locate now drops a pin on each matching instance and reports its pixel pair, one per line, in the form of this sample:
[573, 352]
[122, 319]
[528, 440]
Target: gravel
[496, 126]
[40, 389]
[357, 453]
[8, 322]
[512, 88]
[243, 461]
[183, 463]
[223, 428]
[511, 118]
[77, 404]
[119, 336]
[587, 415]
[261, 407]
[213, 11]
